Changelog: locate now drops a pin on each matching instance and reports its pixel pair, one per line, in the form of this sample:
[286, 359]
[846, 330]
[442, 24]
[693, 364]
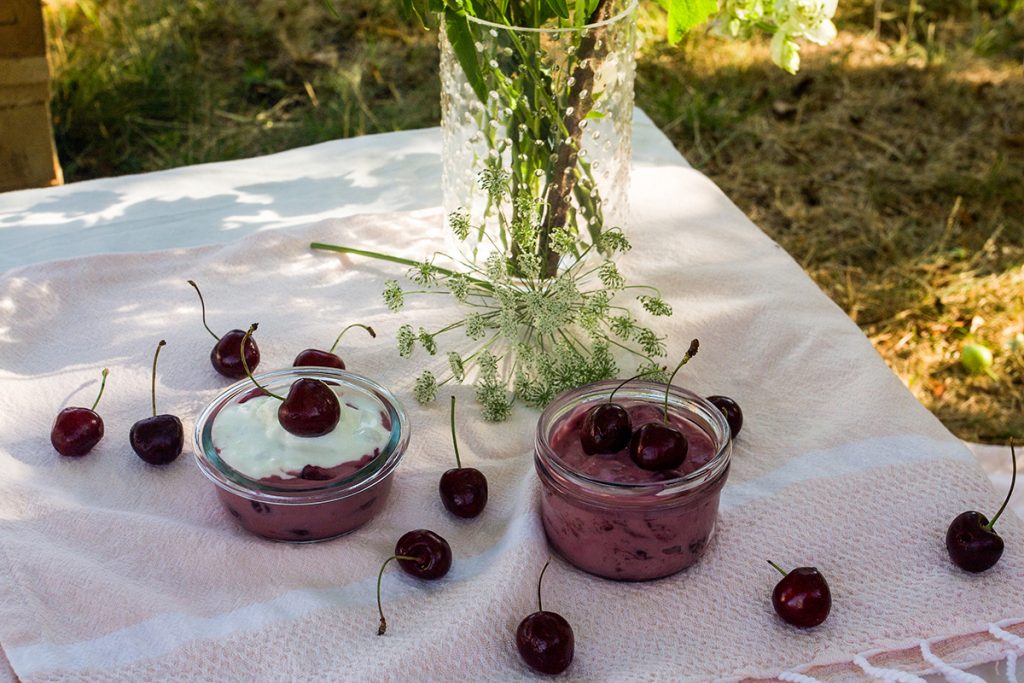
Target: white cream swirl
[250, 439]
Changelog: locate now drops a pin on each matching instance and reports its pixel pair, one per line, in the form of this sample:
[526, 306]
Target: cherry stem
[781, 570]
[649, 371]
[1013, 480]
[455, 441]
[690, 353]
[383, 627]
[338, 339]
[202, 304]
[103, 383]
[155, 356]
[245, 364]
[540, 580]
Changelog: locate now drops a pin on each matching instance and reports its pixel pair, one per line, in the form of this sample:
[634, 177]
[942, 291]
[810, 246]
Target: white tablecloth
[217, 203]
[220, 202]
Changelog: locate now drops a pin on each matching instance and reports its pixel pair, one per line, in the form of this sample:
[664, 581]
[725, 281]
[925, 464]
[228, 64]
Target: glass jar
[536, 126]
[632, 524]
[304, 509]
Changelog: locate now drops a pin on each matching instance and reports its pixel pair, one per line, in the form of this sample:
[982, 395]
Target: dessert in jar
[300, 489]
[610, 517]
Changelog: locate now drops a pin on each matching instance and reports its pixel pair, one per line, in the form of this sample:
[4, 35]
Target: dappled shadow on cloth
[216, 203]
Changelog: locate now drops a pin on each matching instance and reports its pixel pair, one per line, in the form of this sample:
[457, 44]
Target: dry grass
[894, 176]
[891, 167]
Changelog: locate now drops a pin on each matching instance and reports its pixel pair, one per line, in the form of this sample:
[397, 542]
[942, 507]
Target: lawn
[891, 167]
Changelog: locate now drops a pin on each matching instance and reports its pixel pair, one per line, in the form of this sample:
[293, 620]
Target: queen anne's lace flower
[425, 389]
[406, 341]
[531, 337]
[393, 296]
[459, 222]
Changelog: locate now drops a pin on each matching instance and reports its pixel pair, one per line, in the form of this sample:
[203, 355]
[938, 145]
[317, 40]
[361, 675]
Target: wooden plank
[27, 156]
[24, 71]
[26, 95]
[22, 33]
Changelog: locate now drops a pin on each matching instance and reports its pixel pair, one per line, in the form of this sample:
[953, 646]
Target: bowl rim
[230, 480]
[714, 424]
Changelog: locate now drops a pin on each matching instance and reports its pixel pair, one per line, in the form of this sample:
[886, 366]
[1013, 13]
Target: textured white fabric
[952, 674]
[116, 569]
[886, 675]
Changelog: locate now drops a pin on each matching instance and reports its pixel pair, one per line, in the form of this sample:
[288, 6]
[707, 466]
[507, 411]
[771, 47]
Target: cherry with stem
[77, 430]
[328, 359]
[606, 427]
[310, 409]
[659, 446]
[227, 357]
[545, 639]
[463, 490]
[971, 540]
[158, 439]
[420, 553]
[802, 597]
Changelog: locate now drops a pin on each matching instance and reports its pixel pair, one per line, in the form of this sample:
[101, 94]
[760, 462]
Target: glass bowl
[300, 509]
[621, 526]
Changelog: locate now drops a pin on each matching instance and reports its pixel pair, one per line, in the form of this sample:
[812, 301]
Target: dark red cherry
[158, 439]
[420, 553]
[606, 428]
[732, 412]
[310, 409]
[430, 556]
[972, 544]
[317, 358]
[328, 359]
[463, 489]
[77, 430]
[545, 639]
[546, 642]
[226, 355]
[314, 473]
[802, 597]
[657, 447]
[971, 539]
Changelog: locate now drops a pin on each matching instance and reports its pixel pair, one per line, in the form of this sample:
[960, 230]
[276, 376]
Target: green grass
[891, 167]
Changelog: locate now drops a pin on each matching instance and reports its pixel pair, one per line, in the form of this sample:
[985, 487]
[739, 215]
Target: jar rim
[624, 13]
[227, 478]
[679, 397]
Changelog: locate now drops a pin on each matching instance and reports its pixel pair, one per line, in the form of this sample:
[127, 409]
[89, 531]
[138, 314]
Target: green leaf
[558, 8]
[460, 36]
[685, 14]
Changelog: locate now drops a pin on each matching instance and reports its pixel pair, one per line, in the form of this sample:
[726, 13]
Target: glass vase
[536, 128]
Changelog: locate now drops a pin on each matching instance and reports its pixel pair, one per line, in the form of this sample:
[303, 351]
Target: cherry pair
[802, 597]
[229, 352]
[544, 639]
[654, 446]
[157, 440]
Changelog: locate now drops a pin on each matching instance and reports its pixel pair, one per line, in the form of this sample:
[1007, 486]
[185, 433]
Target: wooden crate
[28, 157]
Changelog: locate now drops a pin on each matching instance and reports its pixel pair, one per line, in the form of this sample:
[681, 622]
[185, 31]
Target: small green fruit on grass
[976, 359]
